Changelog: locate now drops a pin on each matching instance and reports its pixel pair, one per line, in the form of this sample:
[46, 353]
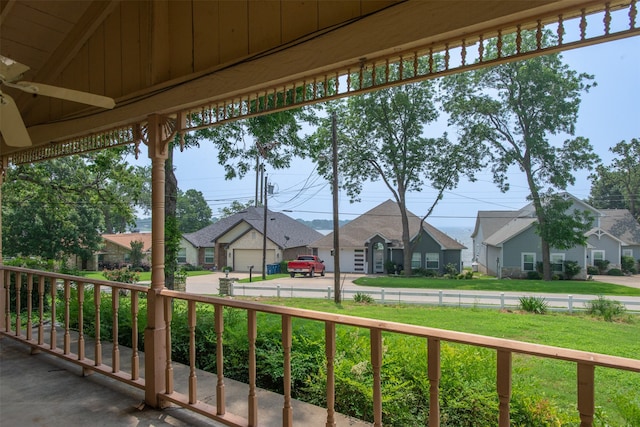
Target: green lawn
[502, 285]
[552, 378]
[145, 276]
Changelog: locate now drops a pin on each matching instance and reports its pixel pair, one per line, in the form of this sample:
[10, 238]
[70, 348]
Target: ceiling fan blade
[10, 69]
[67, 94]
[12, 127]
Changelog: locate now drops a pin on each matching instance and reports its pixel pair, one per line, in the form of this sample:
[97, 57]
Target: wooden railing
[585, 362]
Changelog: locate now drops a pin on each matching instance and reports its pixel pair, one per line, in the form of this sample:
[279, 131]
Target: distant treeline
[321, 224]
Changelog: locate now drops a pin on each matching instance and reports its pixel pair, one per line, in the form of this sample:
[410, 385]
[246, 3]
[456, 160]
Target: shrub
[615, 272]
[534, 275]
[591, 270]
[602, 265]
[390, 266]
[362, 298]
[283, 267]
[122, 275]
[451, 271]
[571, 269]
[628, 264]
[608, 309]
[536, 305]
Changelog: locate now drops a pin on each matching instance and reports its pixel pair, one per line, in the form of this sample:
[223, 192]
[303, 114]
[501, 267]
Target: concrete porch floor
[43, 390]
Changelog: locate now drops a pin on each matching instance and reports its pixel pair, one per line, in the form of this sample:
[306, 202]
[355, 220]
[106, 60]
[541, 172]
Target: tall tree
[617, 186]
[57, 208]
[234, 208]
[514, 108]
[381, 137]
[192, 211]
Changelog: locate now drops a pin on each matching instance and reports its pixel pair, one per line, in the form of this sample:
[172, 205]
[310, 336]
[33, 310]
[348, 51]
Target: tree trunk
[406, 239]
[546, 261]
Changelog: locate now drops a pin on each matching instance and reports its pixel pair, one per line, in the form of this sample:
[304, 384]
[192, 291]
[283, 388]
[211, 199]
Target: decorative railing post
[287, 410]
[219, 328]
[433, 367]
[252, 330]
[504, 386]
[155, 341]
[376, 365]
[586, 396]
[330, 352]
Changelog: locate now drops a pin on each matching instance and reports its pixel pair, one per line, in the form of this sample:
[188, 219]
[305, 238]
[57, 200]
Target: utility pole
[264, 234]
[336, 219]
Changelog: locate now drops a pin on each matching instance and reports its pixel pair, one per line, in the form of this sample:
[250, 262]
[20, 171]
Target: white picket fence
[497, 300]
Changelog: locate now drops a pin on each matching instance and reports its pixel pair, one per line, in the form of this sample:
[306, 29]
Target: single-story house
[117, 249]
[374, 240]
[237, 241]
[505, 243]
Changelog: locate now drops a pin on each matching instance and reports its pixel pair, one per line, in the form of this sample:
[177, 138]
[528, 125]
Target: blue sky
[609, 113]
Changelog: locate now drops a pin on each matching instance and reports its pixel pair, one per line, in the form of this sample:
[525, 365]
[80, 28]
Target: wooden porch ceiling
[166, 57]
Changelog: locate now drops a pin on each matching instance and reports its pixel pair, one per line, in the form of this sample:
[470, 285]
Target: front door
[378, 258]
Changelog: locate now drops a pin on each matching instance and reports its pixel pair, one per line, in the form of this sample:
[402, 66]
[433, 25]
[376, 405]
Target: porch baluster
[81, 352]
[376, 364]
[168, 372]
[135, 360]
[18, 303]
[253, 399]
[433, 368]
[219, 328]
[115, 306]
[193, 380]
[586, 397]
[67, 320]
[53, 338]
[41, 310]
[287, 410]
[330, 352]
[504, 386]
[7, 300]
[29, 305]
[98, 344]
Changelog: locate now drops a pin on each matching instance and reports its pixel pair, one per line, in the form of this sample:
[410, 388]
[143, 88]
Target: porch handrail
[586, 362]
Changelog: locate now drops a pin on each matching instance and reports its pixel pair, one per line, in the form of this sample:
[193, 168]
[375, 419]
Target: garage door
[243, 258]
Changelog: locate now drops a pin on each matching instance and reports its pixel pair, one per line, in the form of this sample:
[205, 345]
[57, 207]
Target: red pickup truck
[306, 265]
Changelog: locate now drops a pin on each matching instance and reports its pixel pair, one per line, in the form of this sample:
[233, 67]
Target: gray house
[237, 241]
[505, 243]
[374, 238]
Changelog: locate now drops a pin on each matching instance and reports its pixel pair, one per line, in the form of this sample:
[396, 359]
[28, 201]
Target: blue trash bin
[273, 268]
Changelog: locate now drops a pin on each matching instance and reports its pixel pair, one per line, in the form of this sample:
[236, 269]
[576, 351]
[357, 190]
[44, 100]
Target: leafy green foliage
[192, 211]
[513, 108]
[602, 265]
[363, 298]
[608, 309]
[136, 255]
[628, 264]
[571, 269]
[532, 304]
[381, 137]
[123, 275]
[617, 186]
[59, 208]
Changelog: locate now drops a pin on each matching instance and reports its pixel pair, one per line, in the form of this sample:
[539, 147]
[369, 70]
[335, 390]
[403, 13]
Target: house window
[182, 256]
[597, 257]
[208, 256]
[557, 262]
[528, 262]
[432, 261]
[415, 260]
[627, 252]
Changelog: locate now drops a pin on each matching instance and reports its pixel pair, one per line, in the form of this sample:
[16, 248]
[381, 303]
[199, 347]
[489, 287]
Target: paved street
[322, 287]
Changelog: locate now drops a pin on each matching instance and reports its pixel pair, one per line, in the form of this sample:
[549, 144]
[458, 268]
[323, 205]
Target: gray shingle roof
[384, 220]
[621, 224]
[283, 230]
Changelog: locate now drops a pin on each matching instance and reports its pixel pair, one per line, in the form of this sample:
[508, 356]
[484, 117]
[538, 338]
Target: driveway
[631, 281]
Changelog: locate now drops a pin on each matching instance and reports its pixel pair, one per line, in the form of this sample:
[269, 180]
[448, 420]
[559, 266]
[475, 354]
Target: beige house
[117, 249]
